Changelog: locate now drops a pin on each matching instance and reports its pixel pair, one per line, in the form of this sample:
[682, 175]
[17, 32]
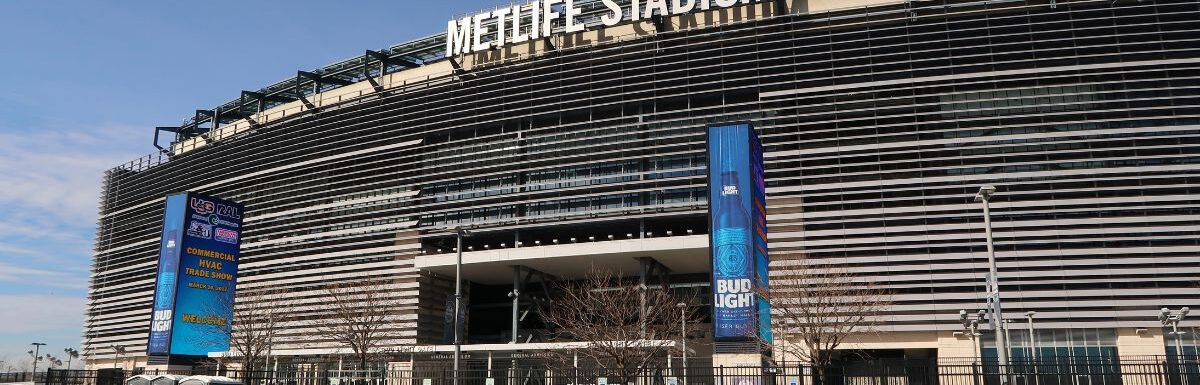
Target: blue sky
[82, 84]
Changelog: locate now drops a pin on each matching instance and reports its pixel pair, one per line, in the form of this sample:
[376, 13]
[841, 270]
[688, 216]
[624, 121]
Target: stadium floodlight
[1172, 320]
[37, 346]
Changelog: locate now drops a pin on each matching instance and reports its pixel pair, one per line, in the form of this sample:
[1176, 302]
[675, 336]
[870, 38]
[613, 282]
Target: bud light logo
[729, 190]
[161, 321]
[227, 236]
[734, 294]
[201, 206]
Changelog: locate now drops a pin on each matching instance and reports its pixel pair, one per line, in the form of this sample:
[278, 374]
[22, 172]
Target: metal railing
[920, 372]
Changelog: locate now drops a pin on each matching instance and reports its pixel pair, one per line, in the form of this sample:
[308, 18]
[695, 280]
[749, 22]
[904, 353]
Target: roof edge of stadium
[376, 64]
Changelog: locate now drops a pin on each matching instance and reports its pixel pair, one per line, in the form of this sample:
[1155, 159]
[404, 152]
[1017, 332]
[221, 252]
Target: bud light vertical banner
[195, 293]
[162, 318]
[732, 232]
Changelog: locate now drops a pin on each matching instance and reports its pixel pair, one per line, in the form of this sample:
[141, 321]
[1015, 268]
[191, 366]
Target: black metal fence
[16, 377]
[1075, 372]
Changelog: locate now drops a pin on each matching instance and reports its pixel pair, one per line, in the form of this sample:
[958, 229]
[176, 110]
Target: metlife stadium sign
[738, 234]
[197, 274]
[535, 20]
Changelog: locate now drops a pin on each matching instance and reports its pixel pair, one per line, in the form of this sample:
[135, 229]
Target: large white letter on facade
[517, 36]
[458, 37]
[535, 30]
[573, 12]
[480, 31]
[548, 16]
[679, 7]
[501, 16]
[660, 5]
[615, 14]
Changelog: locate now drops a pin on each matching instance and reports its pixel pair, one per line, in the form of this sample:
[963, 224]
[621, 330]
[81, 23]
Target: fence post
[975, 372]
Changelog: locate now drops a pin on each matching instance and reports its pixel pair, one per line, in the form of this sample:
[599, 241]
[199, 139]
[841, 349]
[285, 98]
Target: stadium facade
[880, 120]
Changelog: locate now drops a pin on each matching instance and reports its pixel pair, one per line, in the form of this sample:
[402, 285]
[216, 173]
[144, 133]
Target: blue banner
[738, 257]
[168, 274]
[201, 277]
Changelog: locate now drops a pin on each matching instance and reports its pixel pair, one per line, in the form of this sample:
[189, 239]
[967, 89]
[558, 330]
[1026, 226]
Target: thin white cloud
[41, 313]
[62, 279]
[54, 320]
[58, 173]
[48, 205]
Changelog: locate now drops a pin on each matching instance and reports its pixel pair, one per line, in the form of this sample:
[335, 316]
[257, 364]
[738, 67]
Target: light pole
[37, 351]
[117, 351]
[683, 336]
[71, 354]
[997, 319]
[460, 233]
[1007, 335]
[1032, 335]
[1173, 320]
[971, 328]
[1033, 346]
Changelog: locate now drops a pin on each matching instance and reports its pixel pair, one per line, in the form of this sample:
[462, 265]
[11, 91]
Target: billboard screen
[204, 273]
[737, 232]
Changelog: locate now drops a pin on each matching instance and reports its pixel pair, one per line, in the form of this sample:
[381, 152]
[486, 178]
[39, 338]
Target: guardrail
[923, 372]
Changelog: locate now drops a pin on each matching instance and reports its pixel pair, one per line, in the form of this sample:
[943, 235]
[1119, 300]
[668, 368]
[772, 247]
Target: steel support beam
[649, 267]
[300, 94]
[660, 23]
[781, 7]
[384, 60]
[157, 130]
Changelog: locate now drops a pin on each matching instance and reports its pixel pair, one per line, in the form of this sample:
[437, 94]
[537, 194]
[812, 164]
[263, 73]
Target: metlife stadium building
[585, 145]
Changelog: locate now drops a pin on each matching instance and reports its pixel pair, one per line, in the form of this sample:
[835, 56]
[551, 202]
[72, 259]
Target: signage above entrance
[536, 19]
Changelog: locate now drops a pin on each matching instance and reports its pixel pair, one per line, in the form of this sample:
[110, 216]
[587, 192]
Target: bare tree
[362, 317]
[627, 327]
[256, 316]
[821, 307]
[256, 320]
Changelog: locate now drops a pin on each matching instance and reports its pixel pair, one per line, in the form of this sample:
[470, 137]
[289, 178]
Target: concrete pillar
[400, 373]
[1139, 351]
[729, 367]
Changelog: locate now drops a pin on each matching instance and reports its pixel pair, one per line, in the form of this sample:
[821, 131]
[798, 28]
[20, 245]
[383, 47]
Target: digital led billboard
[737, 232]
[197, 274]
